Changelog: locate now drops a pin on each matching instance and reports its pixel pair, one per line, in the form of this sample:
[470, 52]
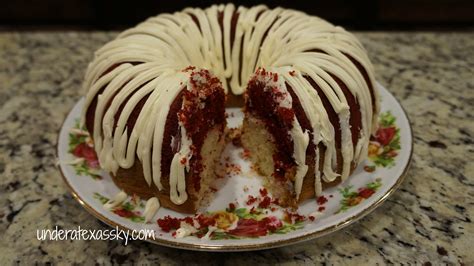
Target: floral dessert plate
[242, 214]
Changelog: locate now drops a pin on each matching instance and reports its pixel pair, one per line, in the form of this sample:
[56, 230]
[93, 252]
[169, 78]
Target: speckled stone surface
[429, 219]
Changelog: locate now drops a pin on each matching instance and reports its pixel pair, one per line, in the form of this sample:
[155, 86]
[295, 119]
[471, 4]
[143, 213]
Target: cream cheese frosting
[281, 40]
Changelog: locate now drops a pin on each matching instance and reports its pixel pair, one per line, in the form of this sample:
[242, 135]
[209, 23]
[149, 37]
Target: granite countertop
[428, 220]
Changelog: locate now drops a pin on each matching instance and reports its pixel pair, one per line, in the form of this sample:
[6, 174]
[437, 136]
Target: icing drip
[151, 207]
[185, 230]
[300, 140]
[179, 164]
[145, 61]
[118, 199]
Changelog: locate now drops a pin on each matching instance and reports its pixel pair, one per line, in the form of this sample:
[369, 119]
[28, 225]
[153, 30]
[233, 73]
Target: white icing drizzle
[185, 230]
[118, 199]
[211, 230]
[300, 143]
[178, 185]
[151, 207]
[285, 41]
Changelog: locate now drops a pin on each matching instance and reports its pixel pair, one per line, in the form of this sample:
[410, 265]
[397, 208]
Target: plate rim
[257, 246]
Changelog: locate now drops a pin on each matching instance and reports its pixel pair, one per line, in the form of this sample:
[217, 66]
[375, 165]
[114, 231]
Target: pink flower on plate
[82, 150]
[272, 223]
[93, 164]
[249, 228]
[385, 135]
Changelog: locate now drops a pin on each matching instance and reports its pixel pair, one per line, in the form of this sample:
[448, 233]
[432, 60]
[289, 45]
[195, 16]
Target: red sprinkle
[263, 192]
[322, 208]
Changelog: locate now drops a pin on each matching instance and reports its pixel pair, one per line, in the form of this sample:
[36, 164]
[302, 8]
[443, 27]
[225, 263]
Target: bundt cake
[157, 94]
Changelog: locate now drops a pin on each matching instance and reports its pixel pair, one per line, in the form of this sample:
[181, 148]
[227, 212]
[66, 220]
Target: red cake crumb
[205, 221]
[321, 208]
[271, 223]
[245, 154]
[232, 168]
[280, 166]
[291, 217]
[321, 200]
[261, 71]
[265, 202]
[169, 223]
[287, 115]
[189, 68]
[275, 77]
[278, 94]
[253, 210]
[231, 206]
[311, 218]
[251, 200]
[263, 192]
